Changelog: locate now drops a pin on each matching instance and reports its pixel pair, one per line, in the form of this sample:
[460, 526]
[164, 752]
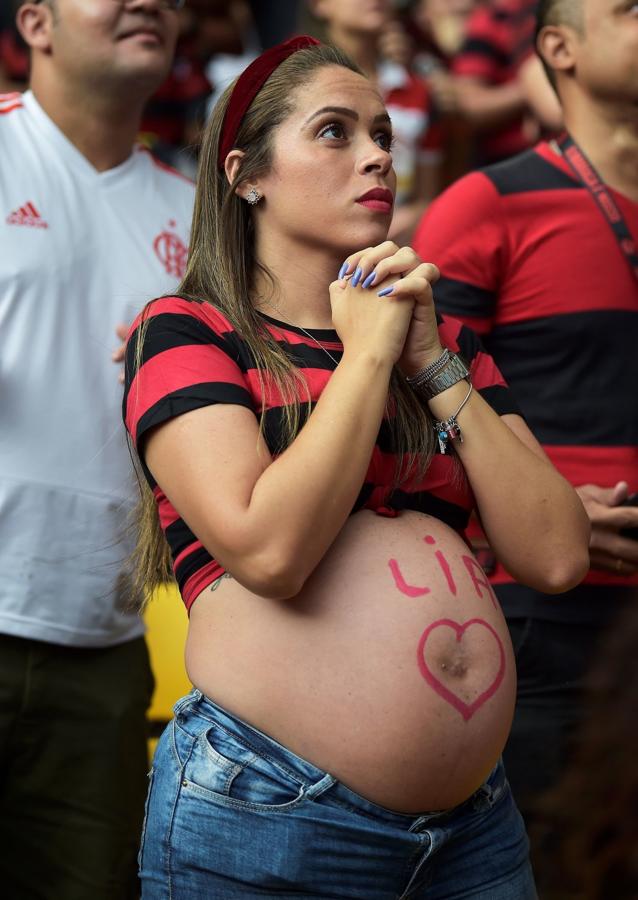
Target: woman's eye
[385, 141]
[333, 130]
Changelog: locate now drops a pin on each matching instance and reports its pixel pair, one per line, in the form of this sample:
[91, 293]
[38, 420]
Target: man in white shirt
[90, 228]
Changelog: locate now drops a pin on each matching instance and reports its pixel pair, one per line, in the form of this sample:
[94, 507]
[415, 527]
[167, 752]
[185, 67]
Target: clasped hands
[401, 284]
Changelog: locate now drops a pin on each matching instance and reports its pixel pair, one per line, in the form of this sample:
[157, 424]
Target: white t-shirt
[80, 252]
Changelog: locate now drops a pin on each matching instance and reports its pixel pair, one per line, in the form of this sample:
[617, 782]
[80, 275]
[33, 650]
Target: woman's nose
[374, 159]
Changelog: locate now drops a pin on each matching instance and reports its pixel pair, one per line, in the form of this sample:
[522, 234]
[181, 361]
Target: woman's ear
[232, 164]
[245, 190]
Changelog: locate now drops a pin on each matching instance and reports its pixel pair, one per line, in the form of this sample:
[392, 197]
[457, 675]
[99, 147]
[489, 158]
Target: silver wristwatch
[429, 386]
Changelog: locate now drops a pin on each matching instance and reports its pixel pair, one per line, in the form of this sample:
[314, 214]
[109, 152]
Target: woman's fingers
[417, 284]
[429, 271]
[403, 263]
[360, 264]
[363, 265]
[400, 263]
[374, 265]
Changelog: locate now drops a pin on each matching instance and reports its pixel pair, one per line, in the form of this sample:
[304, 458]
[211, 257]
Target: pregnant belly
[392, 669]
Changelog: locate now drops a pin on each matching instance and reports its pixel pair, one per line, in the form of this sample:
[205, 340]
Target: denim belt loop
[193, 696]
[316, 790]
[482, 799]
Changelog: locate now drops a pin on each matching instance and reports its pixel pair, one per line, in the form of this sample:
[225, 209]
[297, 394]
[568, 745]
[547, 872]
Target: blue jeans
[231, 813]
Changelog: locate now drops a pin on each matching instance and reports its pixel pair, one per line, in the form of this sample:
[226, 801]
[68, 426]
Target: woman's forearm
[301, 501]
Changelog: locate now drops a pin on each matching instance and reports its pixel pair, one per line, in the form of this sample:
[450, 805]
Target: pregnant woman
[314, 439]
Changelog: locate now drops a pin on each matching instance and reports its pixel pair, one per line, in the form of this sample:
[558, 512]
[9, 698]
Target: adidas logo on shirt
[27, 215]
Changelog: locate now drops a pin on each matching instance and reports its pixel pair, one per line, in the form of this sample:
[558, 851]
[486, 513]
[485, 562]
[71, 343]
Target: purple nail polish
[369, 280]
[385, 291]
[344, 269]
[356, 278]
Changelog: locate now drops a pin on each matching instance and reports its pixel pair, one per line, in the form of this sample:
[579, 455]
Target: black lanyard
[591, 180]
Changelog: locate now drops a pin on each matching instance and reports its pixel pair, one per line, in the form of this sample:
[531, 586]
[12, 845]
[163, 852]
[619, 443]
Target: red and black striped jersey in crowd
[527, 259]
[498, 35]
[180, 100]
[418, 135]
[193, 357]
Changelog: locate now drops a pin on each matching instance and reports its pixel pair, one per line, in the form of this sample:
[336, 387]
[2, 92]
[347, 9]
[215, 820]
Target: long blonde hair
[221, 270]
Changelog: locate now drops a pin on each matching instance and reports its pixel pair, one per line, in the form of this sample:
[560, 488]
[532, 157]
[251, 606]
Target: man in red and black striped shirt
[486, 70]
[529, 259]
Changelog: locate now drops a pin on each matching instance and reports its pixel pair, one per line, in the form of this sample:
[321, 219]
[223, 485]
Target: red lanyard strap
[591, 180]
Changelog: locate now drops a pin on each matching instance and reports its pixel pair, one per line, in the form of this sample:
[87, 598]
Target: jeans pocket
[227, 771]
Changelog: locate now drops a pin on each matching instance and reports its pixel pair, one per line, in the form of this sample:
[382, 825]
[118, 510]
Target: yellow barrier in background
[166, 625]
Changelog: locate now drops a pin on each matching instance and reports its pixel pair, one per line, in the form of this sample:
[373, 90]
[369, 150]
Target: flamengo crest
[171, 251]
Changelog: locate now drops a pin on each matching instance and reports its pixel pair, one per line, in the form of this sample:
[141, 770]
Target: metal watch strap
[454, 371]
[423, 375]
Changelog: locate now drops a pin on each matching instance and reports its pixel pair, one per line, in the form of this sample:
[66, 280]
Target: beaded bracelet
[448, 430]
[450, 368]
[424, 375]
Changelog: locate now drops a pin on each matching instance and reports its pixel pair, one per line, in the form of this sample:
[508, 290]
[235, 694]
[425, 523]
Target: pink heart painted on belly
[467, 710]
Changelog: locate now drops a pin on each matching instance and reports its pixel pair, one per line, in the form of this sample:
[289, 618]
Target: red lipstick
[378, 199]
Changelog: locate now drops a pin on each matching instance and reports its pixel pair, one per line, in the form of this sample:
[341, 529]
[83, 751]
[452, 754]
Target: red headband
[248, 85]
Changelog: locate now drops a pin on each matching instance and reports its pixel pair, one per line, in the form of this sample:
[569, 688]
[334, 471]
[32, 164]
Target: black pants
[73, 763]
[553, 660]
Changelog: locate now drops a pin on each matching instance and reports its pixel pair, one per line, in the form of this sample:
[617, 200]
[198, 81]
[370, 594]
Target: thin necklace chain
[307, 333]
[321, 347]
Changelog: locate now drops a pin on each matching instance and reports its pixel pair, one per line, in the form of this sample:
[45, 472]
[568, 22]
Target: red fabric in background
[14, 57]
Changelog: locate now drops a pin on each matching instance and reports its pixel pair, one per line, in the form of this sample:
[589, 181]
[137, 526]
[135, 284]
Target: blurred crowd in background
[459, 77]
